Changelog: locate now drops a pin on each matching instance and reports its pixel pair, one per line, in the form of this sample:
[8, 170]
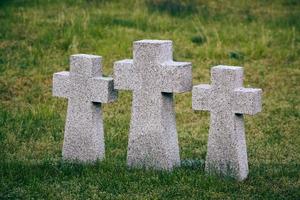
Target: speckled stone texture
[154, 77]
[227, 101]
[85, 89]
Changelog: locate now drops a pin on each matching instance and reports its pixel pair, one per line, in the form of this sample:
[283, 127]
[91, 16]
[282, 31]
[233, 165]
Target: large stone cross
[227, 101]
[85, 89]
[154, 77]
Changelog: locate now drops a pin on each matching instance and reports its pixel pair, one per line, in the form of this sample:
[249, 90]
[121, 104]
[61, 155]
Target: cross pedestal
[85, 89]
[153, 77]
[227, 101]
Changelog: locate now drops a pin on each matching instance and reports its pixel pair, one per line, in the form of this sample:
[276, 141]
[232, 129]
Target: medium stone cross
[154, 77]
[227, 101]
[85, 89]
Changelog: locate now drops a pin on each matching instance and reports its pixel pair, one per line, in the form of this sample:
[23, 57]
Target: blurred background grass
[38, 36]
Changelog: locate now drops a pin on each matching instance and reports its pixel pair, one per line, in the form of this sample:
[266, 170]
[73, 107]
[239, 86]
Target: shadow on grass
[19, 3]
[173, 7]
[139, 24]
[115, 179]
[111, 177]
[287, 21]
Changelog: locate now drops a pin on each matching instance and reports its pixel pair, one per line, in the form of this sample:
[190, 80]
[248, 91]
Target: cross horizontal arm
[124, 74]
[201, 97]
[176, 77]
[61, 84]
[101, 89]
[247, 101]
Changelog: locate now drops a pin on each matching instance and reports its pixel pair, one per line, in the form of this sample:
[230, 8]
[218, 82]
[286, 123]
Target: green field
[36, 39]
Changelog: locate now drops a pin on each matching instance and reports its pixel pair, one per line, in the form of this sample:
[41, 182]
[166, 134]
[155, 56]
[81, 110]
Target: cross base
[153, 139]
[84, 138]
[227, 151]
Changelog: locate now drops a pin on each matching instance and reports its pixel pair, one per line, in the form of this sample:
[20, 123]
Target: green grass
[36, 40]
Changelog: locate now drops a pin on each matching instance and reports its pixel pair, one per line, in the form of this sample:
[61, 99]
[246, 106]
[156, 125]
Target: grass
[36, 39]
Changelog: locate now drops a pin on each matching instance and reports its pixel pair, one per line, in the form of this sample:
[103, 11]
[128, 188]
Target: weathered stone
[85, 89]
[227, 101]
[154, 77]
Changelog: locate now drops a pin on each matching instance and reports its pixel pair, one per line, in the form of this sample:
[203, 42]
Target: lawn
[38, 36]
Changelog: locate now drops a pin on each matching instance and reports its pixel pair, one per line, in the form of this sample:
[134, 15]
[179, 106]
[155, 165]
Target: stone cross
[227, 101]
[154, 77]
[85, 89]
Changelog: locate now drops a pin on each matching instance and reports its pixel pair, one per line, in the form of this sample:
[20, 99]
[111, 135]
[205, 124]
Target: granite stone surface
[227, 101]
[153, 77]
[85, 89]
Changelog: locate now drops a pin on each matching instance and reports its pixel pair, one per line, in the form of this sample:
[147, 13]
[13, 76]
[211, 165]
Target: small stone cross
[154, 77]
[85, 89]
[227, 101]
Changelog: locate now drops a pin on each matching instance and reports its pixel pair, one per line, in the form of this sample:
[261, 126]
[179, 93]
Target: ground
[36, 39]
